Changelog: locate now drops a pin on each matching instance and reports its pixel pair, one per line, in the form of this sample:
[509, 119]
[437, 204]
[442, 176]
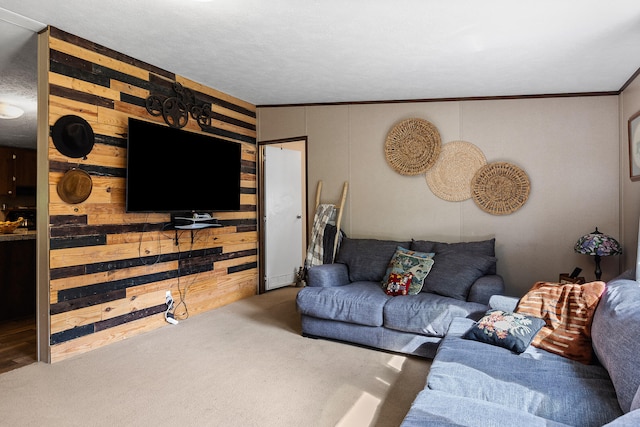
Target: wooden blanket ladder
[339, 209]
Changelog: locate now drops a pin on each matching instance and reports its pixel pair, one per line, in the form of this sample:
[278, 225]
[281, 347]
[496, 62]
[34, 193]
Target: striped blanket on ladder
[315, 251]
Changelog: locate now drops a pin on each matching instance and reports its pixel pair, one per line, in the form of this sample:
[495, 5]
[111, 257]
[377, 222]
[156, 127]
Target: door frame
[261, 201]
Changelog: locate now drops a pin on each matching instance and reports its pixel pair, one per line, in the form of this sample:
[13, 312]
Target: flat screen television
[177, 171]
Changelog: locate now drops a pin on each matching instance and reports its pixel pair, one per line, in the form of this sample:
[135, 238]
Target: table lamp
[599, 245]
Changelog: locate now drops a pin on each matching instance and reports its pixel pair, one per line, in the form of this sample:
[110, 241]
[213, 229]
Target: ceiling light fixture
[8, 111]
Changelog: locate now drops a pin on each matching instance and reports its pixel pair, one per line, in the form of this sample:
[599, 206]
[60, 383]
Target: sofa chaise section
[473, 383]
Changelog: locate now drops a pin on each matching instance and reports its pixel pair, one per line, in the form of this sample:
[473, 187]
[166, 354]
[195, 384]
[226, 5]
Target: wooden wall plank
[97, 58]
[82, 86]
[129, 89]
[80, 256]
[216, 93]
[59, 106]
[99, 339]
[106, 276]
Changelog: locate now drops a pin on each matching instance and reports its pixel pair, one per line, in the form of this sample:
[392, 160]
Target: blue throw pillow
[406, 261]
[513, 331]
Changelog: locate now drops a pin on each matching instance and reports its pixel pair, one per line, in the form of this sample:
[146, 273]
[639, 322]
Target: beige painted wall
[568, 147]
[630, 104]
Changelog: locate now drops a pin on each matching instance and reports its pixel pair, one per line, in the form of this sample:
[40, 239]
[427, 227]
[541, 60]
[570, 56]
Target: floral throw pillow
[398, 284]
[513, 331]
[406, 261]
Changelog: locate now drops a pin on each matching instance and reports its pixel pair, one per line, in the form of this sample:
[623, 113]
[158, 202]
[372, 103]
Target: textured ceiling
[293, 52]
[18, 83]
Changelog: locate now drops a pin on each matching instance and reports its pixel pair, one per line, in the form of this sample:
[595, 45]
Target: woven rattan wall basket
[450, 177]
[412, 146]
[500, 188]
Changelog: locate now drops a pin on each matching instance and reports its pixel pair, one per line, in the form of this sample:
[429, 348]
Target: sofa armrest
[503, 302]
[486, 286]
[326, 275]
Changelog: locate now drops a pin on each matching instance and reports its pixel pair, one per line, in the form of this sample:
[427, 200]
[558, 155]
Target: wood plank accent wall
[109, 270]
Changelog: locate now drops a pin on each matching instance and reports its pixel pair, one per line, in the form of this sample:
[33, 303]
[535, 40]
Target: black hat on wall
[73, 136]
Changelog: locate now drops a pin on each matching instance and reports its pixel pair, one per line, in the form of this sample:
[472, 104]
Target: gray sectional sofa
[477, 384]
[345, 301]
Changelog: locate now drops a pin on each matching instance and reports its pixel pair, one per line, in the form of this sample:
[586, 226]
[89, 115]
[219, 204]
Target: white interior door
[283, 215]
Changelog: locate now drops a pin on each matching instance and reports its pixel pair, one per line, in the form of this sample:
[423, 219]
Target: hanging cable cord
[182, 290]
[159, 245]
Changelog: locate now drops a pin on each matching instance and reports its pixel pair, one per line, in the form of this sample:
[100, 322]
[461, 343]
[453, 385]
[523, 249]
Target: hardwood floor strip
[17, 343]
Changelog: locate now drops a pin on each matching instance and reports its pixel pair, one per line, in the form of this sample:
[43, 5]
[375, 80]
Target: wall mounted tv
[177, 171]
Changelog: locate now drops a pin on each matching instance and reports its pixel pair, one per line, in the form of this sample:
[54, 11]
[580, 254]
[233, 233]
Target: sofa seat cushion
[359, 302]
[538, 382]
[427, 314]
[441, 409]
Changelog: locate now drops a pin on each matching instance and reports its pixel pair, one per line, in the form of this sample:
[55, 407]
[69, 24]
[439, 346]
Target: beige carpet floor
[244, 364]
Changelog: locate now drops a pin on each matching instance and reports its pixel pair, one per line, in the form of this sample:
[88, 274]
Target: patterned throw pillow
[406, 261]
[398, 284]
[568, 311]
[513, 331]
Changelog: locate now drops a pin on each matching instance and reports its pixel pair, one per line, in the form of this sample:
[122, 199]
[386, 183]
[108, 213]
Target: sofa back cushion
[457, 265]
[481, 247]
[615, 333]
[367, 259]
[454, 273]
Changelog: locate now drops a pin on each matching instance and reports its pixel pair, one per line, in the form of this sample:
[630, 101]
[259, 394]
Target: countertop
[19, 234]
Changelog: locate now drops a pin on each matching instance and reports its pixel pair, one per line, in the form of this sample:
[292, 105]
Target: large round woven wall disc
[500, 188]
[412, 146]
[451, 175]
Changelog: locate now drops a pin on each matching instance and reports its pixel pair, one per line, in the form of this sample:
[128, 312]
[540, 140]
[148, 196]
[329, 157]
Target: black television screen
[173, 170]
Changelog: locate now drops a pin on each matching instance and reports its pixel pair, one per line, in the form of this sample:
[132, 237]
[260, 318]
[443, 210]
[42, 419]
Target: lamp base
[598, 271]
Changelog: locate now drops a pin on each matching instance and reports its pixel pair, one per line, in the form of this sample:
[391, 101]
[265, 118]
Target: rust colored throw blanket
[567, 310]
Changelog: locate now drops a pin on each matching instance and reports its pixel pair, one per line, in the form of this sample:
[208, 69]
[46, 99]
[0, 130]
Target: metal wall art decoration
[176, 109]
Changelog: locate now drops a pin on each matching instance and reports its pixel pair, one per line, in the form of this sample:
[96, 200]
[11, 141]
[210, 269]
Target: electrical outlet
[169, 316]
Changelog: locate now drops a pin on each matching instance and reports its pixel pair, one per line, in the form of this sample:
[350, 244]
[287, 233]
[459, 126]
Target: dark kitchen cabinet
[7, 166]
[25, 168]
[18, 279]
[17, 171]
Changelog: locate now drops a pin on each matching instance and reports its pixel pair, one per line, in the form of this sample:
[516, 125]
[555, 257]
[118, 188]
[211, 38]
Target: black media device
[176, 171]
[575, 272]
